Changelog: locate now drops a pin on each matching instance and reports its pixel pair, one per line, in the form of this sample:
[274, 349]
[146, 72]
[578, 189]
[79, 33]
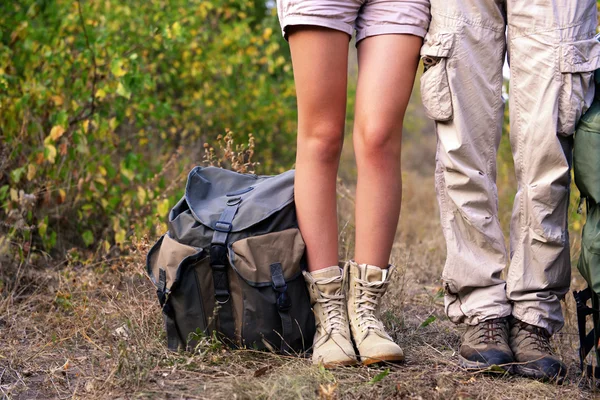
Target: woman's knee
[378, 140]
[322, 142]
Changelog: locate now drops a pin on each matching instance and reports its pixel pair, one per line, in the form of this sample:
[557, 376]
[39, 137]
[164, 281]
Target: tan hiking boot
[366, 285]
[332, 345]
[533, 353]
[486, 344]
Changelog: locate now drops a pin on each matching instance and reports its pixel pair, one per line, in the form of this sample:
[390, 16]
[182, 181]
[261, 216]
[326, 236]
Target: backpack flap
[165, 258]
[209, 189]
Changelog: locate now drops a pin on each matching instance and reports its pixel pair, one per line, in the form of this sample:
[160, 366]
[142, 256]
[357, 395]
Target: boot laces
[333, 307]
[491, 331]
[535, 337]
[367, 302]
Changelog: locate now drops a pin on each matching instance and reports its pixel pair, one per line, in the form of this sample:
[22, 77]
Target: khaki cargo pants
[552, 54]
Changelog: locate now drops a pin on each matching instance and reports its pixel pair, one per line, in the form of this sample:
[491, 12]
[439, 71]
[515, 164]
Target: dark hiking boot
[486, 345]
[533, 353]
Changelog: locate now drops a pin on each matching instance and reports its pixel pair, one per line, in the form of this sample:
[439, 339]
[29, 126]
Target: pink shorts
[368, 17]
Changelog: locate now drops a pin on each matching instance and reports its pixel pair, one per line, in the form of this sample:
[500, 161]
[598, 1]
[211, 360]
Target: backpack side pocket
[172, 267]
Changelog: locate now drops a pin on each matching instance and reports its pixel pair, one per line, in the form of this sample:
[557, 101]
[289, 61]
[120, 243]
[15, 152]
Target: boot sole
[479, 366]
[533, 373]
[370, 361]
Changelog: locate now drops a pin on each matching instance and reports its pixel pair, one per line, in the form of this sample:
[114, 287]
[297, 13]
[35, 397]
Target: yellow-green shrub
[96, 96]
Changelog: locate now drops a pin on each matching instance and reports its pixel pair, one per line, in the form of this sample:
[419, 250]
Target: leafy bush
[96, 98]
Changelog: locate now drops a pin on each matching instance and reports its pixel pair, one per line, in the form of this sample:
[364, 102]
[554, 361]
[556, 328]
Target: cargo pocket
[435, 89]
[173, 267]
[276, 312]
[577, 63]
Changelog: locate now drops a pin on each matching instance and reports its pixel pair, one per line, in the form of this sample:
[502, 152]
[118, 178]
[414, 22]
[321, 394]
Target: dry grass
[92, 329]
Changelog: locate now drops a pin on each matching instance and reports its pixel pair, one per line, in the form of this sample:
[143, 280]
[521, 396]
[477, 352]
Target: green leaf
[88, 237]
[428, 321]
[379, 376]
[61, 118]
[497, 369]
[3, 192]
[16, 174]
[163, 207]
[123, 91]
[116, 67]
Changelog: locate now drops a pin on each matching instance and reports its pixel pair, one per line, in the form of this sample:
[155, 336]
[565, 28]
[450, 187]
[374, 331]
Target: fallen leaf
[327, 392]
[89, 386]
[122, 332]
[262, 371]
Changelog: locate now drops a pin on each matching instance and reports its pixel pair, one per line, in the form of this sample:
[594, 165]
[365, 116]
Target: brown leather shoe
[533, 353]
[486, 345]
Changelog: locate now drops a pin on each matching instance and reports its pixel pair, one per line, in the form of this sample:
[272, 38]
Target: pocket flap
[168, 254]
[438, 45]
[252, 257]
[580, 56]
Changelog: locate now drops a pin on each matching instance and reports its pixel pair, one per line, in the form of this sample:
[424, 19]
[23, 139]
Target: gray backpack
[231, 264]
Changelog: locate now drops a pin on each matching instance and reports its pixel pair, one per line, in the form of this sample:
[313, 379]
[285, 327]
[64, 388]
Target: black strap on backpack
[219, 264]
[173, 336]
[284, 303]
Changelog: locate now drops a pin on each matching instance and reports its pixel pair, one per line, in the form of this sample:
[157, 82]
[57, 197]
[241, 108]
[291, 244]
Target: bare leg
[320, 61]
[387, 66]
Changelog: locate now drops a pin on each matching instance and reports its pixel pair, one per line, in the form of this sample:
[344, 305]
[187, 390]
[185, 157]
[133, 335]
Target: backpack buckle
[222, 296]
[279, 288]
[223, 226]
[234, 201]
[284, 303]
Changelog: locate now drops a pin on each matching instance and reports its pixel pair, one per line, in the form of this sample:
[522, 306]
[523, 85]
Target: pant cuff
[533, 317]
[389, 30]
[498, 312]
[323, 22]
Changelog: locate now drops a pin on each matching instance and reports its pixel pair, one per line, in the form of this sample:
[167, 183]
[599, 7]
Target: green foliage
[380, 376]
[97, 96]
[428, 321]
